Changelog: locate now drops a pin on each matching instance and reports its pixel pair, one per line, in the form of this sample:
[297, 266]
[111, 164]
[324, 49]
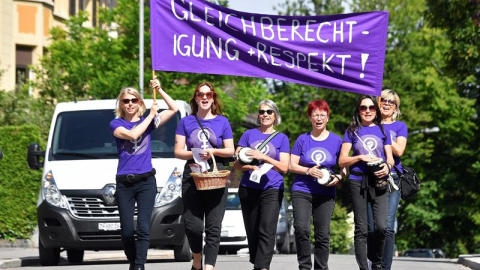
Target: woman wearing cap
[132, 134]
[314, 156]
[369, 167]
[203, 209]
[260, 194]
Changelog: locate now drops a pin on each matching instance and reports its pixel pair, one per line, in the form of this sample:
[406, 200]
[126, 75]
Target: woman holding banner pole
[203, 211]
[369, 165]
[135, 177]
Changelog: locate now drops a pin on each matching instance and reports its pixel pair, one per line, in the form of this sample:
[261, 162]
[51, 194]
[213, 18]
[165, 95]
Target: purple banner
[343, 51]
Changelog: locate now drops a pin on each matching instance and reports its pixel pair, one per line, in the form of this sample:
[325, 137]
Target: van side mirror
[33, 156]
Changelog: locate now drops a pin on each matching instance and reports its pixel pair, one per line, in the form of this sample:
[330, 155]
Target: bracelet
[308, 171]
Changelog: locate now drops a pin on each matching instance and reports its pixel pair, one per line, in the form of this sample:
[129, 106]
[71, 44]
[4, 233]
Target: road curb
[472, 261]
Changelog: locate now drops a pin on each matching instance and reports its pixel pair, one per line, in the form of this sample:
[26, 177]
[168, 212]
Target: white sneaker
[369, 263]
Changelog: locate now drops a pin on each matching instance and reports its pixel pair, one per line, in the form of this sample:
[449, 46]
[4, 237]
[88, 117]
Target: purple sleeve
[347, 138]
[227, 131]
[181, 128]
[402, 130]
[285, 147]
[243, 142]
[114, 124]
[297, 147]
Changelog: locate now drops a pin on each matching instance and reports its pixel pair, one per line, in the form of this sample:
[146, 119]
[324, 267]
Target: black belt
[134, 178]
[356, 173]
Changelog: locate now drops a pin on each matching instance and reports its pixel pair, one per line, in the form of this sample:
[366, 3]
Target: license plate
[114, 226]
[224, 234]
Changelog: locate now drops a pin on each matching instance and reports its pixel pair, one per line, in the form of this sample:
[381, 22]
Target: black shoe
[132, 266]
[193, 268]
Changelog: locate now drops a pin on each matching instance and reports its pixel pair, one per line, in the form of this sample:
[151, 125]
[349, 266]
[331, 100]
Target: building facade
[25, 32]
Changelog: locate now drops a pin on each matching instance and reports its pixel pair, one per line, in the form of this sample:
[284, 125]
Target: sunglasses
[127, 101]
[387, 101]
[269, 112]
[203, 94]
[364, 108]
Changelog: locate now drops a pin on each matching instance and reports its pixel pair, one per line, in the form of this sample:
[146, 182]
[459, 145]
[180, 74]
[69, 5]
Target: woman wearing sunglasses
[206, 128]
[261, 187]
[398, 132]
[370, 143]
[314, 156]
[135, 178]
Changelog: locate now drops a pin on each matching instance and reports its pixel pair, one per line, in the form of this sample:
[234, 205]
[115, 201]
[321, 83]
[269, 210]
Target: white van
[76, 206]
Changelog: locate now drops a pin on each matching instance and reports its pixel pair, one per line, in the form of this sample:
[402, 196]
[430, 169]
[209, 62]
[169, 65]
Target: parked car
[424, 253]
[234, 237]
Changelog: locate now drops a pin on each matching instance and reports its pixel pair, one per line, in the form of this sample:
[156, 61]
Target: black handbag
[409, 182]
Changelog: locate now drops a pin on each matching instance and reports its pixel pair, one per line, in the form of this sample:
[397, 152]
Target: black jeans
[143, 193]
[200, 206]
[360, 198]
[389, 247]
[260, 209]
[321, 208]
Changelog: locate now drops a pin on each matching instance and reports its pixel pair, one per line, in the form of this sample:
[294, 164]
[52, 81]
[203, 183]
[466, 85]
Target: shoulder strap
[204, 133]
[267, 140]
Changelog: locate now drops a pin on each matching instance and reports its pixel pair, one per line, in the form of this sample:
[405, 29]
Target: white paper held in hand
[257, 174]
[202, 162]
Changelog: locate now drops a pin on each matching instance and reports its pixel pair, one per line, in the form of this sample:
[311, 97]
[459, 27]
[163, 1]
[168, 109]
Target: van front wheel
[75, 256]
[182, 253]
[48, 256]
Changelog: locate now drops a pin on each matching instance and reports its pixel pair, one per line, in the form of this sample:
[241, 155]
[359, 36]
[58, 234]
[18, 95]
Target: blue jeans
[260, 209]
[320, 207]
[388, 250]
[143, 193]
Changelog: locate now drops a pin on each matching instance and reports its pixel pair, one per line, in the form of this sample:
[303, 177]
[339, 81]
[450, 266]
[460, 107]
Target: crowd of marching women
[320, 161]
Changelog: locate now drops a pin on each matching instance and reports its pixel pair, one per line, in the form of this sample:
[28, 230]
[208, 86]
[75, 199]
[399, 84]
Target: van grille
[93, 207]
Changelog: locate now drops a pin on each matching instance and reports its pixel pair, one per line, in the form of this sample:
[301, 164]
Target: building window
[24, 58]
[72, 8]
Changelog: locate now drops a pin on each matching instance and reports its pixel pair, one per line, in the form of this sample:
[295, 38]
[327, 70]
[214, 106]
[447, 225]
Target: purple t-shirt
[374, 139]
[396, 129]
[253, 138]
[311, 153]
[217, 129]
[134, 156]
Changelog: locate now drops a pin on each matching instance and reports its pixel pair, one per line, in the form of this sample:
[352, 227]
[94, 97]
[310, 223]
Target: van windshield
[87, 135]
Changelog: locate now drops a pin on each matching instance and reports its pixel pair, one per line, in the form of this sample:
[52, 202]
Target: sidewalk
[15, 257]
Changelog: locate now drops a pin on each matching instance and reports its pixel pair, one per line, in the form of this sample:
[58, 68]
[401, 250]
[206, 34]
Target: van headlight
[171, 191]
[51, 193]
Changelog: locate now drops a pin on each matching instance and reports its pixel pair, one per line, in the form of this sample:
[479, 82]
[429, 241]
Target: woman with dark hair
[205, 128]
[314, 156]
[398, 132]
[261, 190]
[369, 165]
[135, 178]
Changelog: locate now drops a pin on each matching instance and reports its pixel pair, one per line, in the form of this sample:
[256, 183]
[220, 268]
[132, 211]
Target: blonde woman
[135, 177]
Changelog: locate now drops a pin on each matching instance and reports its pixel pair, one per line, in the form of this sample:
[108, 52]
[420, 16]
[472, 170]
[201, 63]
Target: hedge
[19, 185]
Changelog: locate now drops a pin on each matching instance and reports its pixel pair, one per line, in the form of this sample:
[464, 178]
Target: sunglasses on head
[202, 94]
[269, 112]
[387, 101]
[128, 100]
[363, 108]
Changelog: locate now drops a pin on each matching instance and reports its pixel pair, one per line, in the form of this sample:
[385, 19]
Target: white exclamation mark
[364, 61]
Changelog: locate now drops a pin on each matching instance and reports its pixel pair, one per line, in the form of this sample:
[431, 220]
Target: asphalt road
[240, 262]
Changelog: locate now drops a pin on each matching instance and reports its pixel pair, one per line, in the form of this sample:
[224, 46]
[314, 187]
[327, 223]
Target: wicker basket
[211, 180]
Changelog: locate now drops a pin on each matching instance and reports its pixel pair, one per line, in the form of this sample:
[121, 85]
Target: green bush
[19, 184]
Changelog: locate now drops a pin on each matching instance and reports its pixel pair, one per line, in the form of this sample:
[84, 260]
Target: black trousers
[360, 197]
[306, 205]
[203, 210]
[260, 209]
